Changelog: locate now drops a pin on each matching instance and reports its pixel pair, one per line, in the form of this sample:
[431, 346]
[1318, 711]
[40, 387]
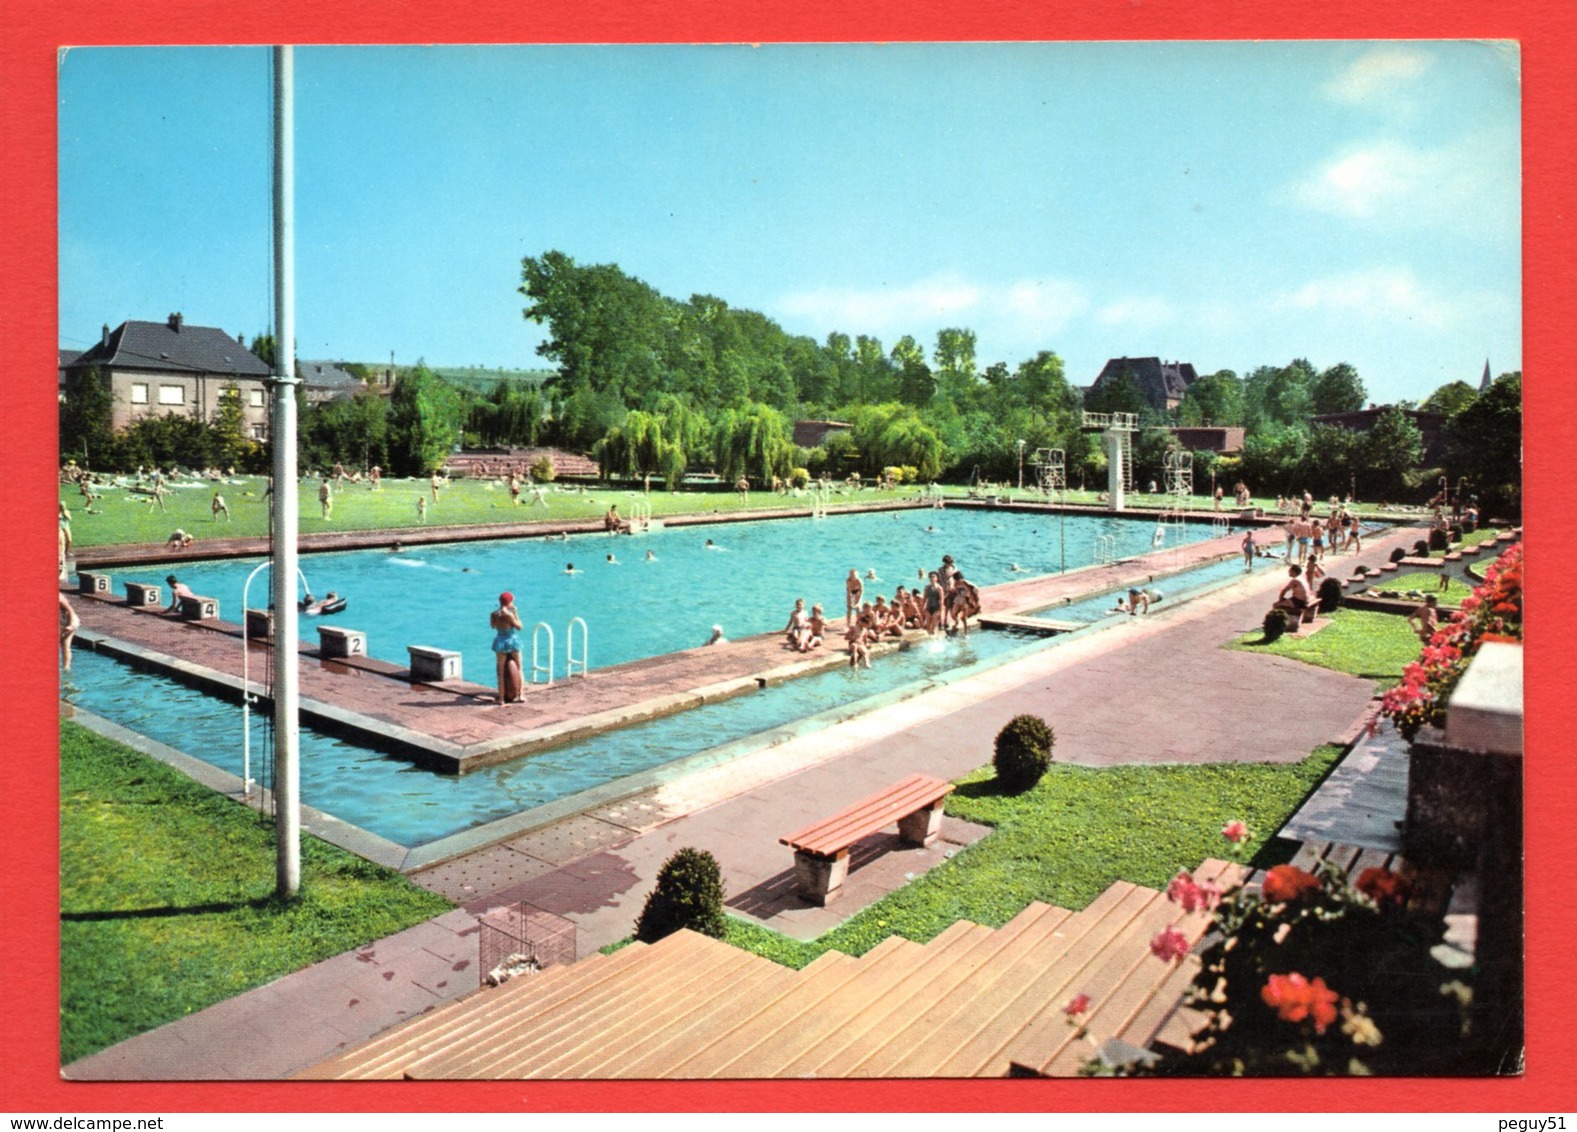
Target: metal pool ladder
[537, 667]
[571, 661]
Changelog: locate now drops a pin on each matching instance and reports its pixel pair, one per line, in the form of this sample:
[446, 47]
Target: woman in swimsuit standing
[505, 621]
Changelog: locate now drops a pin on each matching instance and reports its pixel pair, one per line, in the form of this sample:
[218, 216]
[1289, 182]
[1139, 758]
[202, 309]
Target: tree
[1215, 399]
[424, 422]
[1120, 394]
[916, 383]
[638, 448]
[85, 416]
[1338, 390]
[754, 441]
[1484, 443]
[1389, 450]
[957, 380]
[229, 443]
[1450, 399]
[606, 329]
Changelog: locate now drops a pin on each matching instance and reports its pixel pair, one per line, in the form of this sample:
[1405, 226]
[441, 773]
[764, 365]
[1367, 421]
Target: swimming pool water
[412, 806]
[441, 595]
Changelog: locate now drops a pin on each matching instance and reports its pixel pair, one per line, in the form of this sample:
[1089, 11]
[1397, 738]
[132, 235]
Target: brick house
[170, 367]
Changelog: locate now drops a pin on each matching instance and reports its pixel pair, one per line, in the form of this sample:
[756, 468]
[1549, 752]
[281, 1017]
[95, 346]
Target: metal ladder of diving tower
[1172, 527]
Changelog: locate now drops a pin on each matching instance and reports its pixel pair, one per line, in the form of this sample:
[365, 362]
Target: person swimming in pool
[569, 568]
[651, 557]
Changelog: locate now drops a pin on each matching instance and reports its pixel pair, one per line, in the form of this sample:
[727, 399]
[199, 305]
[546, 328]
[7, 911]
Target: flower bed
[1492, 611]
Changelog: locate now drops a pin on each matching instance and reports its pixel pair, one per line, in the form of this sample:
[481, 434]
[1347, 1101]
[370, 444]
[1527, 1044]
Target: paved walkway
[1154, 689]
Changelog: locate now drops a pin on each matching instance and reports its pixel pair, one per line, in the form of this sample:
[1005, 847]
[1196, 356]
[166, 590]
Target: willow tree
[755, 441]
[638, 448]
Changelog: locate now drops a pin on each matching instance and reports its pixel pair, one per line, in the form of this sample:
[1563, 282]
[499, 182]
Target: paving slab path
[1157, 688]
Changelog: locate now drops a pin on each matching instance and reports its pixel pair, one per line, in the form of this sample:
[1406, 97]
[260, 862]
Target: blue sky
[1228, 204]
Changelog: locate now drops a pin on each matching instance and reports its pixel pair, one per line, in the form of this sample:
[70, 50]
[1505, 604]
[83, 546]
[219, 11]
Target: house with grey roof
[327, 381]
[1162, 383]
[170, 367]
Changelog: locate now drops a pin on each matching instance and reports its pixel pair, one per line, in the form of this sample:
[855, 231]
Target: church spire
[1484, 384]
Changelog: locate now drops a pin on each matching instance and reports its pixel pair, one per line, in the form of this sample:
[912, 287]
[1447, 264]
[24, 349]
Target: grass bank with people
[122, 515]
[1374, 646]
[167, 898]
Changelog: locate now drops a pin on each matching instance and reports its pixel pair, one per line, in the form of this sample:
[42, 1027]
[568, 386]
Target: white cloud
[1379, 293]
[1389, 180]
[1381, 73]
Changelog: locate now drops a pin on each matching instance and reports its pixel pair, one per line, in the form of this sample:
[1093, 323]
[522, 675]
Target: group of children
[945, 603]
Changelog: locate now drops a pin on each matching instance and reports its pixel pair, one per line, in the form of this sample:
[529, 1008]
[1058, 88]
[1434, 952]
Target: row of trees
[654, 386]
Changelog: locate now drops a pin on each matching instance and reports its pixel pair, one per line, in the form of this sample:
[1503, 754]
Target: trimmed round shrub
[1330, 595]
[689, 894]
[1398, 554]
[1275, 624]
[1421, 548]
[1023, 752]
[542, 470]
[1439, 540]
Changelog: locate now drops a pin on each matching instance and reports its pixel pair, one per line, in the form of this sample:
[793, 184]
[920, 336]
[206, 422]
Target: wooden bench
[821, 851]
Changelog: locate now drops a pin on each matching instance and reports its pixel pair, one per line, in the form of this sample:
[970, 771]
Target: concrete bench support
[101, 585]
[144, 596]
[199, 608]
[260, 624]
[334, 642]
[430, 665]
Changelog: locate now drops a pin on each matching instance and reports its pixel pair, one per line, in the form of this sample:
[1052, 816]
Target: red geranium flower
[1295, 999]
[1286, 884]
[1235, 832]
[1383, 886]
[1077, 1005]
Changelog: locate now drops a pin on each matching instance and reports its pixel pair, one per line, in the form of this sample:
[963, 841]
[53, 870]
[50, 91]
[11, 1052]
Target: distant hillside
[484, 380]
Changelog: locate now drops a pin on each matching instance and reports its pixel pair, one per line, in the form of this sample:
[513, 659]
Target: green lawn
[1375, 646]
[123, 516]
[1456, 589]
[166, 897]
[1066, 841]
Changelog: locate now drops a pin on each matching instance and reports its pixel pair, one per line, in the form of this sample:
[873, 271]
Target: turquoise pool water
[441, 595]
[412, 806]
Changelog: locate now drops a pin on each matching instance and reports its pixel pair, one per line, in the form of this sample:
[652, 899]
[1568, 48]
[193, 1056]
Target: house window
[139, 393]
[256, 396]
[172, 395]
[259, 432]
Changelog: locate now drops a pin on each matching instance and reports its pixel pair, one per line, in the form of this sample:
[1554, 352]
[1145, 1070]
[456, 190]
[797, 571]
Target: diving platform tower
[1116, 431]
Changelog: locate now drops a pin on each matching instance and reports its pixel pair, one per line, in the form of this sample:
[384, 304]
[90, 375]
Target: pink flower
[1235, 832]
[1169, 945]
[1077, 1005]
[1192, 895]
